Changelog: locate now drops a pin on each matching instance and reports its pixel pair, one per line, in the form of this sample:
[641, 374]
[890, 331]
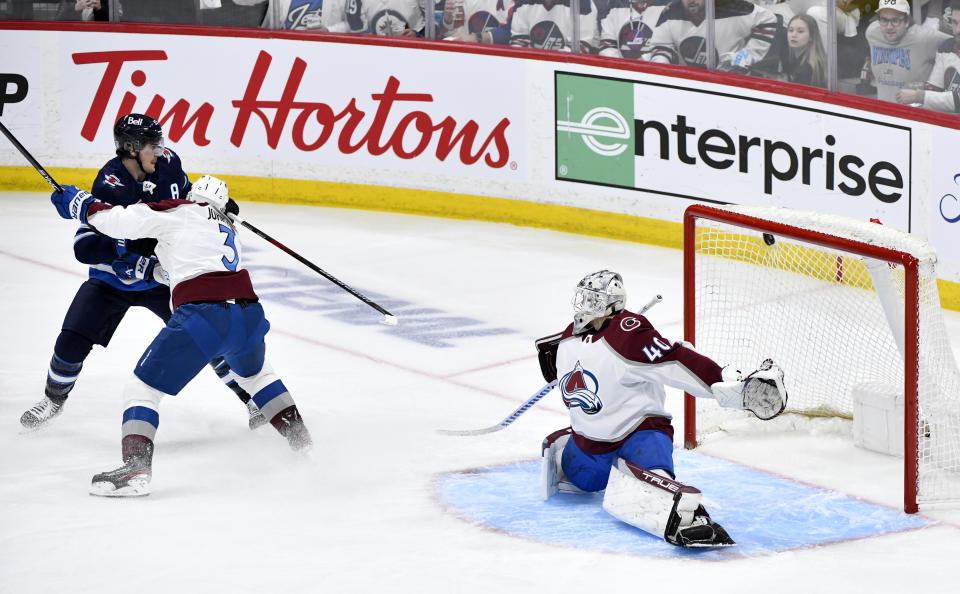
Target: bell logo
[600, 122]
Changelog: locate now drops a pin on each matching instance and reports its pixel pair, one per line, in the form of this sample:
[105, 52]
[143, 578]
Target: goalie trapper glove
[547, 355]
[763, 391]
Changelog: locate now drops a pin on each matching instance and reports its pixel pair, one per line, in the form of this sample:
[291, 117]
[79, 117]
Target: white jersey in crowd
[197, 246]
[943, 87]
[612, 380]
[387, 17]
[626, 30]
[744, 34]
[482, 15]
[546, 24]
[910, 60]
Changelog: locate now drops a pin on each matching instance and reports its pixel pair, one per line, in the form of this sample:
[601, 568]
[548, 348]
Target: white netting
[825, 316]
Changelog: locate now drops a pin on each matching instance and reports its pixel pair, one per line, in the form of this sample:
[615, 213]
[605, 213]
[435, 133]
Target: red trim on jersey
[596, 448]
[214, 286]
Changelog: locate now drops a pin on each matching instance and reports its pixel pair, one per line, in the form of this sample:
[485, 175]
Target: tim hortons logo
[414, 132]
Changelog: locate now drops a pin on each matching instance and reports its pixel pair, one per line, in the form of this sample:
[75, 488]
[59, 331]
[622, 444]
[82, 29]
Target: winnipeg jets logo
[579, 389]
[148, 187]
[113, 181]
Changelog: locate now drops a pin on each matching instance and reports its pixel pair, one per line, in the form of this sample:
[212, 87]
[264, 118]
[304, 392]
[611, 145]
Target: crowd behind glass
[893, 50]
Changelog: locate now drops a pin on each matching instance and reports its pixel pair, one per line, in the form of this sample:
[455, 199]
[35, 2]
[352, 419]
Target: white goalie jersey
[612, 380]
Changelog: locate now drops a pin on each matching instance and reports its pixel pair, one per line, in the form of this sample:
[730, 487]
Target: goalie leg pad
[661, 506]
[552, 477]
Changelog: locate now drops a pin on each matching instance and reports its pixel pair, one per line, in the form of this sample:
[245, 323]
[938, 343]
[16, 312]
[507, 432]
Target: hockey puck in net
[768, 239]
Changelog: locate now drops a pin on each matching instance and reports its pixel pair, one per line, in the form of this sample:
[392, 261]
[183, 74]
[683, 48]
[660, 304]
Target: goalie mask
[598, 295]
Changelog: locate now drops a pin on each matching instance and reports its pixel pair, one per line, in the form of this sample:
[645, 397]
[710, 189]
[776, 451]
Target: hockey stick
[388, 318]
[36, 164]
[511, 418]
[530, 401]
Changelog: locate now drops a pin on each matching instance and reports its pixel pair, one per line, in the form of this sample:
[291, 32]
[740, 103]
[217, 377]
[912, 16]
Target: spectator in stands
[744, 34]
[626, 29]
[83, 10]
[942, 91]
[547, 24]
[852, 17]
[901, 53]
[232, 13]
[299, 15]
[481, 21]
[804, 60]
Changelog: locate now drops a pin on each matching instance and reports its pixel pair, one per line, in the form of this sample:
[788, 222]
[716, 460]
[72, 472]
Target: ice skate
[290, 425]
[130, 480]
[256, 417]
[41, 413]
[704, 532]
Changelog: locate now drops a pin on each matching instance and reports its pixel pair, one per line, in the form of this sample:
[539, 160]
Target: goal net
[841, 305]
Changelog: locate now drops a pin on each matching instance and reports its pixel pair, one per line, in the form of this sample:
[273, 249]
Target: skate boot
[703, 532]
[290, 425]
[41, 412]
[133, 478]
[256, 417]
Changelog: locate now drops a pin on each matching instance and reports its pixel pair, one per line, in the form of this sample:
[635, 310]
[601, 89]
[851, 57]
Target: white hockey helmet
[598, 295]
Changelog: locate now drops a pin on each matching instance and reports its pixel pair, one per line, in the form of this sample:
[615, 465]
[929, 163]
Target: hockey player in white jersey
[216, 314]
[611, 366]
[744, 34]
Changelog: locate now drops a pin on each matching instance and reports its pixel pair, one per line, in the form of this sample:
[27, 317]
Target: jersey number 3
[231, 264]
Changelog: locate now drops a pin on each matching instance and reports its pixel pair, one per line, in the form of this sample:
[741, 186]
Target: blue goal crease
[792, 516]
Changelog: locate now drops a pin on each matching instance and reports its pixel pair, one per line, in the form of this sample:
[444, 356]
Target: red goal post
[805, 289]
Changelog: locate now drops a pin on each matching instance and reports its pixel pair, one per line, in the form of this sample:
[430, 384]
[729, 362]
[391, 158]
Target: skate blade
[135, 488]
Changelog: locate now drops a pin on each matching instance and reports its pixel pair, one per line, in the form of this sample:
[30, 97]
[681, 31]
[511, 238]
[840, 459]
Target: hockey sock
[61, 378]
[223, 372]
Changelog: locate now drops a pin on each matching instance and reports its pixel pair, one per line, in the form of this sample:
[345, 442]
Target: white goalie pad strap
[648, 500]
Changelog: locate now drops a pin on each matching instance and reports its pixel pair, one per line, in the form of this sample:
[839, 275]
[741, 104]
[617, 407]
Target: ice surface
[235, 511]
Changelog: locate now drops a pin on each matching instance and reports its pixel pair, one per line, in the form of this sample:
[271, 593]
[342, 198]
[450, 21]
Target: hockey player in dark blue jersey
[122, 273]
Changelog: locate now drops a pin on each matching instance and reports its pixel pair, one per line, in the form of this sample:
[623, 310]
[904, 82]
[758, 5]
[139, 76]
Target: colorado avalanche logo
[547, 35]
[481, 21]
[634, 35]
[579, 389]
[113, 181]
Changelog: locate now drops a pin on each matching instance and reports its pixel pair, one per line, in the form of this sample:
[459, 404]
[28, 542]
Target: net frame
[882, 244]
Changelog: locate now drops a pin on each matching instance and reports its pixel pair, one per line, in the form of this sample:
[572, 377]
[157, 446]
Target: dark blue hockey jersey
[115, 185]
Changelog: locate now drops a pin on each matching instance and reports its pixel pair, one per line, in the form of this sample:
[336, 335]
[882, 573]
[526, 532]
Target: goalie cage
[837, 303]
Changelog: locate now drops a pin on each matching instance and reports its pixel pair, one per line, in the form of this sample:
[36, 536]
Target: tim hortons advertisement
[710, 146]
[292, 101]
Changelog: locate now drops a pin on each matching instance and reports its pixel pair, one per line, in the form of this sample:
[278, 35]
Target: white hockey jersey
[613, 380]
[628, 26]
[943, 88]
[744, 35]
[482, 15]
[197, 246]
[547, 24]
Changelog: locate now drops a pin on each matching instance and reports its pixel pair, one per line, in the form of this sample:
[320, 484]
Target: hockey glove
[72, 203]
[763, 391]
[133, 268]
[547, 355]
[141, 247]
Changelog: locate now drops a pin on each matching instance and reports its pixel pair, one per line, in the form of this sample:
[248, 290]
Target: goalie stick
[530, 401]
